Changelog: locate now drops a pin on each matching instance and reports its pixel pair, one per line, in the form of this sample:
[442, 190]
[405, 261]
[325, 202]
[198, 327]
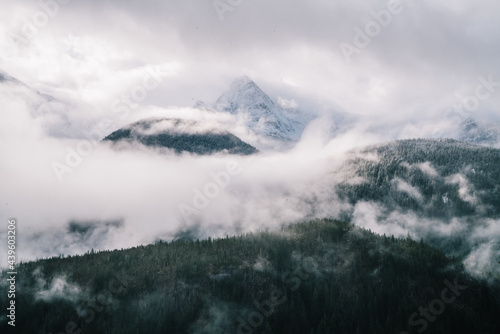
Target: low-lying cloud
[121, 198]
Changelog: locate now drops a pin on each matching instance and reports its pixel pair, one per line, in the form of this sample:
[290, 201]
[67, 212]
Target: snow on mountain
[259, 112]
[464, 127]
[471, 131]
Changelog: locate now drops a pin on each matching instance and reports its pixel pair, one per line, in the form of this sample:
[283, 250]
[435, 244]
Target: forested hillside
[436, 178]
[178, 135]
[317, 277]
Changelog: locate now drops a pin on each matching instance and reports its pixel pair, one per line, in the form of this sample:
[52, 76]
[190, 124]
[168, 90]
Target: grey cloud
[428, 52]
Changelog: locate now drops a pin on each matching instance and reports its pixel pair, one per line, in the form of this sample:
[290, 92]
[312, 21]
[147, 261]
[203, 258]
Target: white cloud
[465, 190]
[59, 288]
[408, 188]
[428, 169]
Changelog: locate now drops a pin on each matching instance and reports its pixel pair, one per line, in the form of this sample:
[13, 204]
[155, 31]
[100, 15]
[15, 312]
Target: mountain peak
[4, 76]
[242, 81]
[243, 94]
[245, 99]
[257, 110]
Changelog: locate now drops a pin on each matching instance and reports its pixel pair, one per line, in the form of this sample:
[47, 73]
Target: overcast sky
[329, 55]
[413, 65]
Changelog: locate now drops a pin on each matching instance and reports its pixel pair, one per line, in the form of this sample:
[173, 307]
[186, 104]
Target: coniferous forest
[321, 276]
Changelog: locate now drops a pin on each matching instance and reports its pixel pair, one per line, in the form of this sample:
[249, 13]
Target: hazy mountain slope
[5, 77]
[180, 136]
[318, 277]
[472, 132]
[53, 113]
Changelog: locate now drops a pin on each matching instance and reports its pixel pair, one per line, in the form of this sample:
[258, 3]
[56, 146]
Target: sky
[108, 63]
[423, 53]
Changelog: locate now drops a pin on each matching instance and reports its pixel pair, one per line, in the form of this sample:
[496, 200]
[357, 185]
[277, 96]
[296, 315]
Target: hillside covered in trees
[319, 277]
[445, 191]
[436, 178]
[178, 136]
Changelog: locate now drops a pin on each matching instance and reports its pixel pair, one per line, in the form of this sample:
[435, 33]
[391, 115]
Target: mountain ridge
[181, 136]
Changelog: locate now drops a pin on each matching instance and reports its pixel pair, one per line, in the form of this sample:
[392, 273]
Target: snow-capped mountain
[464, 127]
[258, 111]
[472, 132]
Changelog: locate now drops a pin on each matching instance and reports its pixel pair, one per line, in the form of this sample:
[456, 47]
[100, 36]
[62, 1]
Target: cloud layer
[412, 67]
[106, 64]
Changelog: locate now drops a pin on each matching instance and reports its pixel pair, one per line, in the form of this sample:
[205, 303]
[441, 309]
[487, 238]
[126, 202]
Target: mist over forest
[201, 151]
